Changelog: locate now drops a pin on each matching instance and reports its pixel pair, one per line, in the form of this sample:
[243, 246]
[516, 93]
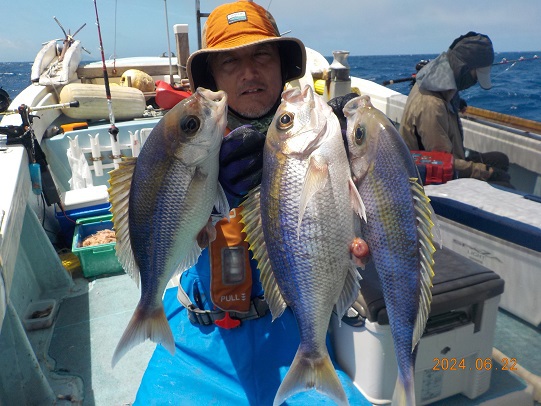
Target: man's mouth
[252, 91]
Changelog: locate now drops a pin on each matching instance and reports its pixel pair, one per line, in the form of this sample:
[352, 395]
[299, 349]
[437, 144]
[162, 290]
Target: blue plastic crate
[68, 220]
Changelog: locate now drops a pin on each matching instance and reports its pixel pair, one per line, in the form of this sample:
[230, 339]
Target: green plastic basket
[97, 260]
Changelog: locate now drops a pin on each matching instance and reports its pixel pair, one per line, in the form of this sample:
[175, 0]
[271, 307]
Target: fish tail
[404, 391]
[306, 373]
[145, 324]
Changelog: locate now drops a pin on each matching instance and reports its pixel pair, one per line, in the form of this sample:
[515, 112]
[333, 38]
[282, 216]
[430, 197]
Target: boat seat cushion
[458, 282]
[506, 214]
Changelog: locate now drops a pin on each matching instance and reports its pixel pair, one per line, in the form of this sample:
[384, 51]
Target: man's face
[250, 76]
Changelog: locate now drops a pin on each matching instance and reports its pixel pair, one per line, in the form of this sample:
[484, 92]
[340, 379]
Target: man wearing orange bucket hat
[230, 351]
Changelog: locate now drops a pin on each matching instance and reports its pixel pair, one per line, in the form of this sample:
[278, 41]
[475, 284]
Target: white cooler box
[459, 333]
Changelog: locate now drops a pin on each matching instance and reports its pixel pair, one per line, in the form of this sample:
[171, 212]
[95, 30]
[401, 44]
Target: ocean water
[516, 85]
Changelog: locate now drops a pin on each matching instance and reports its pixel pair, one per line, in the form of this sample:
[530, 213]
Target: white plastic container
[40, 314]
[367, 355]
[87, 197]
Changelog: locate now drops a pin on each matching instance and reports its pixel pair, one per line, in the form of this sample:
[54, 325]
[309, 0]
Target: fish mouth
[219, 97]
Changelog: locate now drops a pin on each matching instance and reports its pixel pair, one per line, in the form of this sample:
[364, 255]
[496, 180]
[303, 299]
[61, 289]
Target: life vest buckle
[227, 322]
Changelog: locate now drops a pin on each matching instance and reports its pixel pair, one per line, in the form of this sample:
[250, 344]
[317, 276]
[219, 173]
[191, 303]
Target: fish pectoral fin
[356, 200]
[221, 204]
[251, 218]
[119, 197]
[315, 180]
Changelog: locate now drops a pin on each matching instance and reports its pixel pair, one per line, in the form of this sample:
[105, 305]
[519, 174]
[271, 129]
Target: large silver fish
[161, 203]
[398, 230]
[307, 204]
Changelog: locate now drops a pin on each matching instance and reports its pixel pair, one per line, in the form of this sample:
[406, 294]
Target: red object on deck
[167, 96]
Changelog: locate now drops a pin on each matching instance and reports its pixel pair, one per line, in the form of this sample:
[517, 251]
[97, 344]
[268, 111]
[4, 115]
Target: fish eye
[360, 134]
[285, 121]
[190, 124]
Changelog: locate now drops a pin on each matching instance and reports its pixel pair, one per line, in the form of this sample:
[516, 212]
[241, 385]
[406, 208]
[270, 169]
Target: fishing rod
[113, 130]
[41, 108]
[521, 59]
[422, 63]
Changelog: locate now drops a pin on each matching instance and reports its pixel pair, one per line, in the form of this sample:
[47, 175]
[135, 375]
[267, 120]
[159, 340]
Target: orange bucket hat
[241, 24]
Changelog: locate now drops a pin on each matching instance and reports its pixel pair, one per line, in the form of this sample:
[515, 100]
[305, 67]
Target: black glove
[499, 175]
[337, 104]
[241, 162]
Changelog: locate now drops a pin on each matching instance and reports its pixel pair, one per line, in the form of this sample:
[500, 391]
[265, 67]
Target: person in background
[223, 333]
[431, 119]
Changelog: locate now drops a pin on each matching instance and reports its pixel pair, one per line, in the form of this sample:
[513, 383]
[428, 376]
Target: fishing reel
[421, 64]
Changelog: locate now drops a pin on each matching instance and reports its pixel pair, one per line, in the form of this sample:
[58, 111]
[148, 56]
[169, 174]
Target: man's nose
[248, 68]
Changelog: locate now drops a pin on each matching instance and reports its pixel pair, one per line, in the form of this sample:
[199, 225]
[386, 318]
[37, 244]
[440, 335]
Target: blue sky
[363, 27]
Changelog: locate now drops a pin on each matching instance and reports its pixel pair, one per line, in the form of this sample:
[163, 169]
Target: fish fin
[356, 201]
[350, 292]
[119, 197]
[190, 259]
[206, 235]
[251, 218]
[425, 225]
[144, 324]
[404, 392]
[307, 373]
[315, 180]
[222, 205]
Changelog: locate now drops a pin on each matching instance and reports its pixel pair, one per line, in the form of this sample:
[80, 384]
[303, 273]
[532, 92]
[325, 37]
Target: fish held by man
[299, 224]
[399, 230]
[161, 204]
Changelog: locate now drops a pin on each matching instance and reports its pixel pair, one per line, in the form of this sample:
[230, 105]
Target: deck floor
[90, 323]
[86, 333]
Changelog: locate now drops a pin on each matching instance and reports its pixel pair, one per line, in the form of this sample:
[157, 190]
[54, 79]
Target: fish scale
[305, 209]
[399, 221]
[161, 203]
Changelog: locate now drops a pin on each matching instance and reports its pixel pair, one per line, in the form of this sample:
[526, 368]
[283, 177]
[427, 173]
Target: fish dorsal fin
[425, 225]
[251, 217]
[349, 293]
[119, 197]
[315, 180]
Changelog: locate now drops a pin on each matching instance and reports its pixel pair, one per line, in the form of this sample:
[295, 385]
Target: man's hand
[337, 104]
[241, 162]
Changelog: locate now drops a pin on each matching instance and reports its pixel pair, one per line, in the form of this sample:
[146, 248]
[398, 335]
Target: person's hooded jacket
[430, 121]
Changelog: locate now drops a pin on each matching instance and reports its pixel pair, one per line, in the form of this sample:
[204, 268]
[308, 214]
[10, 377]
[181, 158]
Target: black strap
[258, 308]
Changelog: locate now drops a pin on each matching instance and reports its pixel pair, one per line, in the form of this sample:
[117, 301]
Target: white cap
[483, 77]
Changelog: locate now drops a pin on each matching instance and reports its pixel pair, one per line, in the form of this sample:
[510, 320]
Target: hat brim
[483, 77]
[292, 50]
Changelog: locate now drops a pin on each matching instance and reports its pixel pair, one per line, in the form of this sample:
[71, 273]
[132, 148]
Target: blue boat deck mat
[242, 366]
